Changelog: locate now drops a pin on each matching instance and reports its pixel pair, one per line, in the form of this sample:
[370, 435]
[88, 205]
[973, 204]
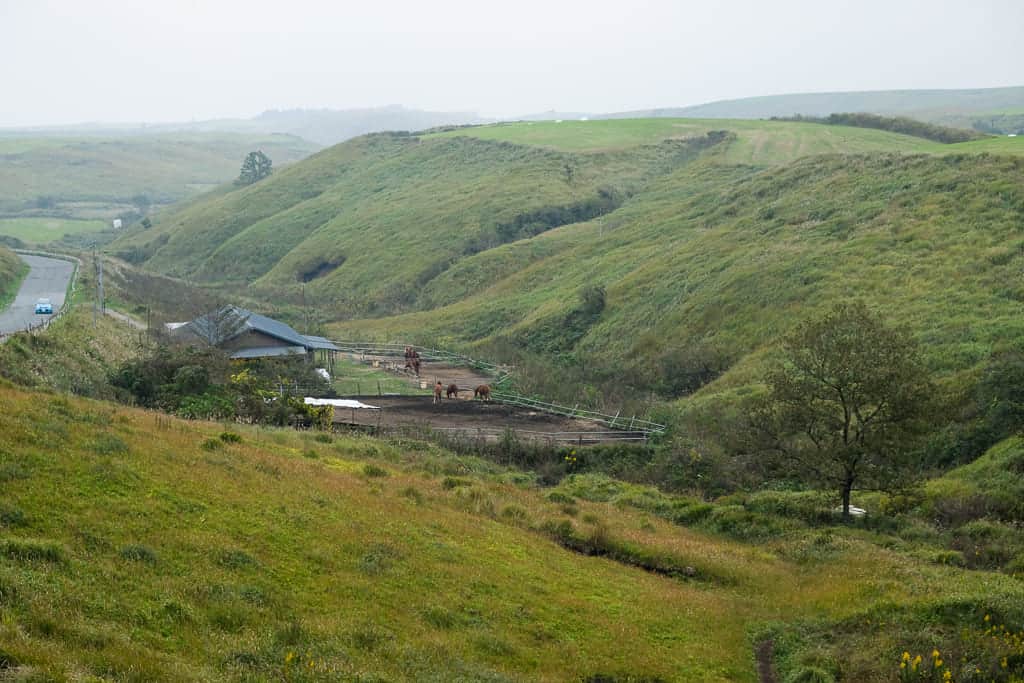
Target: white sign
[117, 224]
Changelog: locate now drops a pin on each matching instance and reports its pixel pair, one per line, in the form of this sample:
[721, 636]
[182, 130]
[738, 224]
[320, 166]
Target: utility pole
[99, 284]
[95, 268]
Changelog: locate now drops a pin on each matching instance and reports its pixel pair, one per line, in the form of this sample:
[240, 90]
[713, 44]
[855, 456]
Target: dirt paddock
[473, 417]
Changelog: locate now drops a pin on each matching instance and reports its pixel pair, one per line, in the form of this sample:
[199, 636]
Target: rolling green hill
[708, 244]
[258, 555]
[96, 177]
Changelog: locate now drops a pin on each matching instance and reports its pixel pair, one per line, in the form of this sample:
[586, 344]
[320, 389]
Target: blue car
[44, 307]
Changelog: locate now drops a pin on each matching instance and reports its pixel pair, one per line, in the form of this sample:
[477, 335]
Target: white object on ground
[323, 373]
[339, 403]
[854, 511]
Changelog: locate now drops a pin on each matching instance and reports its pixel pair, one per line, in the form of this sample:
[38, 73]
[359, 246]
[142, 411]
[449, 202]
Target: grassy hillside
[276, 555]
[12, 270]
[723, 259]
[368, 223]
[91, 177]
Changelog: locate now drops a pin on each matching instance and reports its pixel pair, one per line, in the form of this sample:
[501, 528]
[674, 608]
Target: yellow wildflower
[906, 656]
[935, 654]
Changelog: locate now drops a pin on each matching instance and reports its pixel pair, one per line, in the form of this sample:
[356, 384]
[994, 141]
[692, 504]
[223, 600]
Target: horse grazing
[483, 391]
[438, 388]
[453, 390]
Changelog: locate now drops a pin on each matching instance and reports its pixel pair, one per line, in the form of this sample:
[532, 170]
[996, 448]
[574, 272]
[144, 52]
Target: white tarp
[339, 403]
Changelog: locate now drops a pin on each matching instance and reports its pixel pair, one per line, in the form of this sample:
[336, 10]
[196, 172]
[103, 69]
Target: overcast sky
[173, 60]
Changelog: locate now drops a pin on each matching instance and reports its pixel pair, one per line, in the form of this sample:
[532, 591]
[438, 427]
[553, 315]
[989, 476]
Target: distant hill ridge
[970, 108]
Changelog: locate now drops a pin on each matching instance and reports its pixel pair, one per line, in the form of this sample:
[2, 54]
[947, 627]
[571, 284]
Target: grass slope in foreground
[195, 556]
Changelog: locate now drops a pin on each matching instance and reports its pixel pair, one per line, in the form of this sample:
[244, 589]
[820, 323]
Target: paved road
[48, 278]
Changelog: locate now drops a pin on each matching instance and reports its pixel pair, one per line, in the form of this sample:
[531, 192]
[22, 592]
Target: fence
[616, 421]
[43, 324]
[578, 438]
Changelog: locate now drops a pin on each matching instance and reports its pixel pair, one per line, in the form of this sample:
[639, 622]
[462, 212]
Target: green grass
[12, 272]
[43, 230]
[83, 176]
[365, 559]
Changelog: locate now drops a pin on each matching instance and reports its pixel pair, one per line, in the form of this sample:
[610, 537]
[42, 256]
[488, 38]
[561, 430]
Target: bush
[28, 550]
[212, 445]
[236, 559]
[371, 470]
[230, 437]
[138, 553]
[810, 674]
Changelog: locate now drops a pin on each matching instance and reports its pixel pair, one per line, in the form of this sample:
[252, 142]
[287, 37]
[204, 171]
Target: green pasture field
[43, 230]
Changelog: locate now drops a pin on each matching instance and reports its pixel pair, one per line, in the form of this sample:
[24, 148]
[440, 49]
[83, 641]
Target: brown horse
[453, 390]
[483, 391]
[438, 388]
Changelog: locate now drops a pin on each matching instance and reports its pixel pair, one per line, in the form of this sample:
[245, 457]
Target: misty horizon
[112, 61]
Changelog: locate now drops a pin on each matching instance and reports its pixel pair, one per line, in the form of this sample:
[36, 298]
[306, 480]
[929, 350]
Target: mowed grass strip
[44, 230]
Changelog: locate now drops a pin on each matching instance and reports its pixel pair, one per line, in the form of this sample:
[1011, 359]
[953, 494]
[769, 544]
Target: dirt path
[126, 319]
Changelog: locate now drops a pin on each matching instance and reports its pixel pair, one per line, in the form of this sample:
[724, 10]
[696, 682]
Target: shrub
[212, 445]
[28, 550]
[514, 514]
[230, 437]
[236, 559]
[371, 470]
[108, 444]
[439, 617]
[369, 637]
[449, 483]
[413, 494]
[810, 674]
[138, 553]
[379, 559]
[12, 517]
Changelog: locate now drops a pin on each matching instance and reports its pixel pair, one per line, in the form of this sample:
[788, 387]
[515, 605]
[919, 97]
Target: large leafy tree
[847, 402]
[256, 166]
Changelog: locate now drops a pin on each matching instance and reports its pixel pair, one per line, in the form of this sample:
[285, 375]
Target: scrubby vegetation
[896, 124]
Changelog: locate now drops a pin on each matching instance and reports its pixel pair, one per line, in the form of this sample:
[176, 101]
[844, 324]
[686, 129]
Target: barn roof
[320, 343]
[228, 322]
